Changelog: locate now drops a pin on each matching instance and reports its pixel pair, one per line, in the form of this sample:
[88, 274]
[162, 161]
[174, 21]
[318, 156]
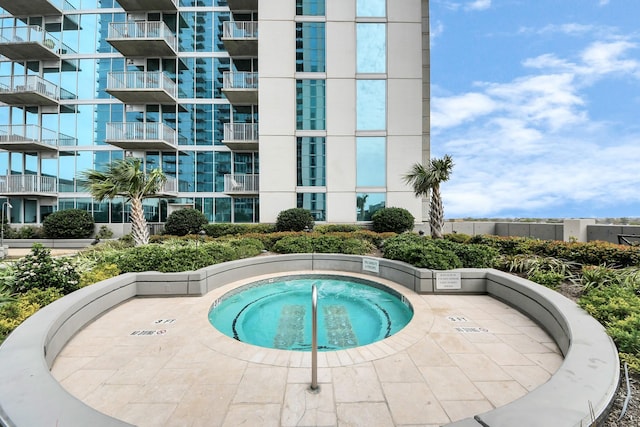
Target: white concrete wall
[407, 137]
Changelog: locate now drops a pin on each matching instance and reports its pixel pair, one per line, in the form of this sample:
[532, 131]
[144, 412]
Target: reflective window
[310, 105]
[311, 167]
[186, 171]
[204, 170]
[245, 209]
[223, 209]
[368, 203]
[310, 7]
[371, 105]
[222, 162]
[370, 162]
[310, 54]
[371, 48]
[374, 8]
[206, 206]
[314, 202]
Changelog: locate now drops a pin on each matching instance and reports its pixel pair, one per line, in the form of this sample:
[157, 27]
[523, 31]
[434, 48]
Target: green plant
[68, 224]
[98, 274]
[293, 245]
[15, 312]
[458, 237]
[104, 232]
[29, 232]
[337, 228]
[226, 229]
[549, 279]
[185, 221]
[397, 220]
[421, 252]
[295, 219]
[39, 270]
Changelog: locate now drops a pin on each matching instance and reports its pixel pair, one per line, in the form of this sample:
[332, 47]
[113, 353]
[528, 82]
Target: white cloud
[530, 144]
[478, 5]
[603, 2]
[435, 30]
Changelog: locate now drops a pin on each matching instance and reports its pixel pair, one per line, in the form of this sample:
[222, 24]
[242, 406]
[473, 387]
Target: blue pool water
[276, 313]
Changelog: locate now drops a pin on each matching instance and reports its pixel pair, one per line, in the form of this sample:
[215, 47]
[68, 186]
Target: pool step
[290, 327]
[339, 329]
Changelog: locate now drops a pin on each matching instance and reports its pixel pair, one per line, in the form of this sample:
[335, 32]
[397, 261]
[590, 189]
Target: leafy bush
[39, 270]
[420, 252]
[98, 274]
[300, 244]
[397, 220]
[458, 237]
[549, 279]
[68, 224]
[28, 232]
[104, 232]
[337, 228]
[179, 255]
[14, 313]
[470, 255]
[226, 229]
[185, 221]
[295, 219]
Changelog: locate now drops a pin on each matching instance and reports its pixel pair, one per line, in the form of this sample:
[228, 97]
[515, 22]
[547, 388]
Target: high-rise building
[250, 107]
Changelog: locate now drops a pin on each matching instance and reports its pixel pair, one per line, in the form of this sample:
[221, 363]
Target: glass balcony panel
[142, 39]
[28, 185]
[141, 136]
[142, 87]
[241, 184]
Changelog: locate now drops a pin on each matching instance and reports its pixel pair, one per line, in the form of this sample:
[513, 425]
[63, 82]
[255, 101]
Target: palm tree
[427, 179]
[126, 178]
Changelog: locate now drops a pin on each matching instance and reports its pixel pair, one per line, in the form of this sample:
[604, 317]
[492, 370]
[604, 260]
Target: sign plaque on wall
[448, 280]
[370, 264]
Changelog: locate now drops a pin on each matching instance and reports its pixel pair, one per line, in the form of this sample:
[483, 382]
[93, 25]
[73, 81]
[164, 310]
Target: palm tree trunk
[139, 228]
[436, 217]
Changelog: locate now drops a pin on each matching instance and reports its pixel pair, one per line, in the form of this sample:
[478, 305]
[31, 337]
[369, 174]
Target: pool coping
[580, 392]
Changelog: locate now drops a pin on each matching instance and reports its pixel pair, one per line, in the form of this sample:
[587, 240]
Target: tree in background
[427, 179]
[127, 178]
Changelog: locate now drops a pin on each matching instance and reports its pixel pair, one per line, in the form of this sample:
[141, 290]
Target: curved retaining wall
[588, 377]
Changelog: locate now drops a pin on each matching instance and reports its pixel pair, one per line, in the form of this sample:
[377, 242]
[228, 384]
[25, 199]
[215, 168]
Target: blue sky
[538, 103]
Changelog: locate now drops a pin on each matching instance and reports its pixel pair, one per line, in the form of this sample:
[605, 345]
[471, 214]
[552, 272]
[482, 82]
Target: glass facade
[371, 162]
[311, 161]
[310, 7]
[314, 202]
[310, 55]
[310, 104]
[371, 104]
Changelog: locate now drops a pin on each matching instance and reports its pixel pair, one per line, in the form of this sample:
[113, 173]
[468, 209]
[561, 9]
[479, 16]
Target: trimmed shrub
[337, 228]
[549, 279]
[185, 221]
[295, 219]
[68, 224]
[397, 220]
[14, 313]
[226, 229]
[458, 237]
[420, 252]
[104, 232]
[471, 256]
[301, 244]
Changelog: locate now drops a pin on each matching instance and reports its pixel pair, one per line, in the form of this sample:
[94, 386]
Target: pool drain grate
[339, 329]
[290, 327]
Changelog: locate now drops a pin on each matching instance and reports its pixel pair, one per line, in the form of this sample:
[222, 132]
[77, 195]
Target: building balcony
[35, 7]
[169, 189]
[30, 42]
[31, 90]
[242, 5]
[239, 184]
[141, 136]
[142, 38]
[142, 87]
[28, 138]
[240, 38]
[147, 5]
[29, 185]
[240, 88]
[241, 136]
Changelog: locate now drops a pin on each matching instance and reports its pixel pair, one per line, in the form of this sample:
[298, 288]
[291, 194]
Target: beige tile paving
[189, 374]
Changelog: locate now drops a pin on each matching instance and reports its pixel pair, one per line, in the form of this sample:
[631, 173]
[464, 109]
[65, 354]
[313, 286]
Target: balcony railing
[241, 132]
[240, 88]
[239, 80]
[32, 137]
[144, 136]
[240, 30]
[31, 90]
[142, 38]
[30, 42]
[141, 86]
[238, 183]
[28, 184]
[170, 186]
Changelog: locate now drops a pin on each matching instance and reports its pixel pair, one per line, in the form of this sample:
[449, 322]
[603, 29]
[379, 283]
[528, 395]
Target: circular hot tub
[276, 313]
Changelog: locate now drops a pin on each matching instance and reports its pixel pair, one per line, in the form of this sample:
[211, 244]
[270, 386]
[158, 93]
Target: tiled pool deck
[460, 355]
